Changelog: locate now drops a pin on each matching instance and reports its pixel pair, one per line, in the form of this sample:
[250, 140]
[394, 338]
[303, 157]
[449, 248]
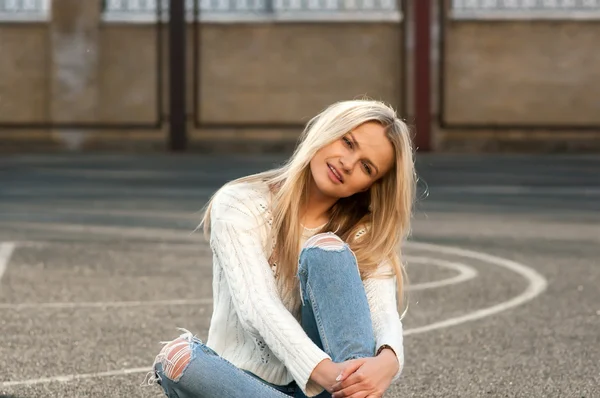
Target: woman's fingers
[349, 367]
[351, 391]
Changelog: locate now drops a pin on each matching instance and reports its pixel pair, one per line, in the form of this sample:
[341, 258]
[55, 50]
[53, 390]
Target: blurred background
[120, 118]
[474, 75]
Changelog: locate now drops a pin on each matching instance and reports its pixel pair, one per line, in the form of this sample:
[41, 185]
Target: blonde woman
[306, 267]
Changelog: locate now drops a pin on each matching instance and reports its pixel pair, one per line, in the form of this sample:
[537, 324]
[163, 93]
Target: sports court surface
[98, 264]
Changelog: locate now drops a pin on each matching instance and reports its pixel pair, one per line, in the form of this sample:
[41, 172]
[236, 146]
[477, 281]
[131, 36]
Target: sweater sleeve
[239, 251]
[387, 325]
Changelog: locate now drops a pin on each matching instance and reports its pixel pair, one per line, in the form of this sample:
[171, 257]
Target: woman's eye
[347, 142]
[367, 168]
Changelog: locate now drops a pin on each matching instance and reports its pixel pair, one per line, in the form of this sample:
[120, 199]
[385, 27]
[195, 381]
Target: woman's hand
[328, 374]
[366, 377]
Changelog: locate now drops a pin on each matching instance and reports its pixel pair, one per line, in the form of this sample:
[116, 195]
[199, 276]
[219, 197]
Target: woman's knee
[174, 358]
[325, 241]
[325, 251]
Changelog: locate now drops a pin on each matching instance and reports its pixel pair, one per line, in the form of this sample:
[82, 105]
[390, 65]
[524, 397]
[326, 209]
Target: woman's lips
[334, 174]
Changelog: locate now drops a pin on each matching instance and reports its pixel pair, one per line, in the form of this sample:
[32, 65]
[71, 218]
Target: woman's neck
[316, 210]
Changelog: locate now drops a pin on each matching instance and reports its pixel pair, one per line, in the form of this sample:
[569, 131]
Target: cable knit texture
[255, 324]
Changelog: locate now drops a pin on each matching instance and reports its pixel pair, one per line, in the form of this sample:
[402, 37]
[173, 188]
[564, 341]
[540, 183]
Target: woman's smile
[334, 174]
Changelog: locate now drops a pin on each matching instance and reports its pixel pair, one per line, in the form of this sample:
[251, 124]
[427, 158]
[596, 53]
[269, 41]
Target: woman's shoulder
[246, 197]
[247, 192]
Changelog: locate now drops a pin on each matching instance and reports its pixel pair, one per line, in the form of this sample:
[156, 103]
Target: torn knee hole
[325, 241]
[175, 356]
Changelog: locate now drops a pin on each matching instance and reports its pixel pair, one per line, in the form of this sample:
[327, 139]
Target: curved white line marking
[465, 273]
[68, 378]
[537, 284]
[93, 189]
[180, 246]
[105, 304]
[519, 190]
[6, 250]
[112, 231]
[102, 211]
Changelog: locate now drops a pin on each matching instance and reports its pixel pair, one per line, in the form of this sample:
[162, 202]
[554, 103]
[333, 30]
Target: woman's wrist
[388, 356]
[324, 373]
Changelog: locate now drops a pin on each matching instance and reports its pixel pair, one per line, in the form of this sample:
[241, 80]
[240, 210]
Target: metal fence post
[177, 72]
[422, 10]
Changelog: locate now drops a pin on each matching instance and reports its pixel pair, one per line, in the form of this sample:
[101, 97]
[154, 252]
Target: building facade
[507, 74]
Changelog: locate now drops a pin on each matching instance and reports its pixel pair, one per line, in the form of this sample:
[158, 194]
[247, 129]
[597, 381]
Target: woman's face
[354, 162]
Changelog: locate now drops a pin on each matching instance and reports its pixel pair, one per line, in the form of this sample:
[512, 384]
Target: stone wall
[254, 73]
[24, 73]
[544, 73]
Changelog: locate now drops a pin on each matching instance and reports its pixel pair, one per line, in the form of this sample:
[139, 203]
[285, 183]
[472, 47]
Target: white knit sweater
[255, 325]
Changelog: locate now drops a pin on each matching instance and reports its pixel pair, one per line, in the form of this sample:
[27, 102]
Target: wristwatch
[383, 347]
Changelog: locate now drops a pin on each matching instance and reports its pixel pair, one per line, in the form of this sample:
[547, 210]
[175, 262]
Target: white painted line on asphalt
[29, 209]
[111, 231]
[157, 246]
[518, 190]
[6, 250]
[465, 273]
[537, 284]
[104, 304]
[92, 190]
[121, 174]
[68, 378]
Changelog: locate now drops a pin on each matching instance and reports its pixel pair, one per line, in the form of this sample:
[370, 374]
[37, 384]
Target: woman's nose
[344, 163]
[347, 163]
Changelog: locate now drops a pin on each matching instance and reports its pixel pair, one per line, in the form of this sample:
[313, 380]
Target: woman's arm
[387, 326]
[237, 246]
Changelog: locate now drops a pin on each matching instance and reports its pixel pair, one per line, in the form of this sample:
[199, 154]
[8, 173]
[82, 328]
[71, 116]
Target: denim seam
[173, 392]
[207, 350]
[317, 316]
[170, 392]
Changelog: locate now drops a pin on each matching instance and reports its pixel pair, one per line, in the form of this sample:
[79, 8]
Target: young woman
[307, 276]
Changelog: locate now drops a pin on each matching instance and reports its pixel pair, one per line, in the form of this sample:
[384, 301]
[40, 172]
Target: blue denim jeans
[335, 315]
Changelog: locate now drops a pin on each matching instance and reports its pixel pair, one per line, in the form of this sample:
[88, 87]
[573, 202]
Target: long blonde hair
[384, 211]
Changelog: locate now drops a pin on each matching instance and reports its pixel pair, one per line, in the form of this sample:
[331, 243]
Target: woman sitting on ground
[307, 269]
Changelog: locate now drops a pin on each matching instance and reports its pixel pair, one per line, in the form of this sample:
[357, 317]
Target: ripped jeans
[335, 315]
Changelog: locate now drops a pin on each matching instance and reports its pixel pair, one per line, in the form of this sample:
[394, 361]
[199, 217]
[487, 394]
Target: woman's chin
[325, 187]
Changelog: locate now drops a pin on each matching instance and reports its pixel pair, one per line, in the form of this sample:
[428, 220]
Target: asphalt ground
[99, 263]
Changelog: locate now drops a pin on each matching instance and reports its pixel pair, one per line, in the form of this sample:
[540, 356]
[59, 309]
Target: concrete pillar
[74, 46]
